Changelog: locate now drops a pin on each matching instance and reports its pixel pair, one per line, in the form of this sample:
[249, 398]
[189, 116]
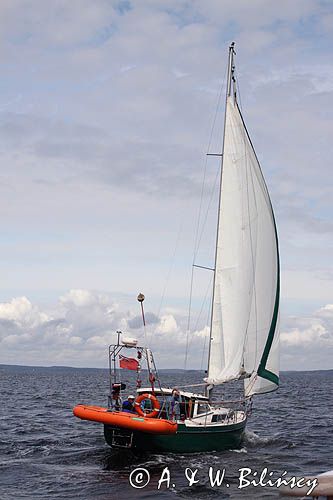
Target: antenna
[140, 299]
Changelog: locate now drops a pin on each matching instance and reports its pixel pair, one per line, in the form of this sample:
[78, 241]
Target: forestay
[244, 335]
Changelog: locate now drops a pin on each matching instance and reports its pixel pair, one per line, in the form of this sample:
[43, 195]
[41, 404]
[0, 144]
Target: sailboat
[244, 340]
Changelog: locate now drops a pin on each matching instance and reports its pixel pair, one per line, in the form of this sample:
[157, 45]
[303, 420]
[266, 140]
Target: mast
[231, 87]
[244, 336]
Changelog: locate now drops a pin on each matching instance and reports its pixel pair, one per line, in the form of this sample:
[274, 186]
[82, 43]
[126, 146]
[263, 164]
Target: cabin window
[202, 408]
[219, 418]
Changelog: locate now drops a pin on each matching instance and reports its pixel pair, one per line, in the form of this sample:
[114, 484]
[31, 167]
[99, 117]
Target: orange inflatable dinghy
[125, 420]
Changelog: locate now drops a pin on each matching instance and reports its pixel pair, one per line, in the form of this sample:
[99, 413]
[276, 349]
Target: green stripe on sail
[268, 375]
[262, 371]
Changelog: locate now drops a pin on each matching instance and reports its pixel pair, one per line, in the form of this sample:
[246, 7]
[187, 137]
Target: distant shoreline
[63, 367]
[169, 370]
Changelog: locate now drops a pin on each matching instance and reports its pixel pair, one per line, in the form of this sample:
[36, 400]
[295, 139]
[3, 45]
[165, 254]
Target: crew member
[128, 405]
[175, 406]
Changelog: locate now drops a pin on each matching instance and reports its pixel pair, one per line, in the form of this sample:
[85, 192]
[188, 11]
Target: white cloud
[22, 313]
[78, 318]
[82, 326]
[307, 342]
[85, 322]
[66, 24]
[314, 332]
[167, 325]
[85, 298]
[75, 340]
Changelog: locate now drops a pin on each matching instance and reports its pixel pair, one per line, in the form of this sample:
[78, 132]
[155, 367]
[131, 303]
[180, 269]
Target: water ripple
[46, 453]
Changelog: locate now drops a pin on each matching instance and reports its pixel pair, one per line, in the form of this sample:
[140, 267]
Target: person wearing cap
[128, 405]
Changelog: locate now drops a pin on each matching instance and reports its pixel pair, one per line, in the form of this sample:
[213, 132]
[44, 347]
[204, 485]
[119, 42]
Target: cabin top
[168, 392]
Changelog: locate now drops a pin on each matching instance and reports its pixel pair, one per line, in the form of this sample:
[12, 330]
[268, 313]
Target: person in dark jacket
[128, 405]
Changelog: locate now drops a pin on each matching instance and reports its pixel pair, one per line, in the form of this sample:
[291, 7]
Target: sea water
[45, 452]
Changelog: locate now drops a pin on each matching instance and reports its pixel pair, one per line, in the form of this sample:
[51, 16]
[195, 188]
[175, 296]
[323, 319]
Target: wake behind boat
[243, 340]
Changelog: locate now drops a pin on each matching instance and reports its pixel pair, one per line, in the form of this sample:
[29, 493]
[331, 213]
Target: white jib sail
[244, 336]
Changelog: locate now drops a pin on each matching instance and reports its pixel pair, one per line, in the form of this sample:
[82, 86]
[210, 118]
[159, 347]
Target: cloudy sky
[106, 113]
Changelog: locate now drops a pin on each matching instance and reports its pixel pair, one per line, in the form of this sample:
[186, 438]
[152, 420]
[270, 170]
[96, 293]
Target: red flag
[128, 363]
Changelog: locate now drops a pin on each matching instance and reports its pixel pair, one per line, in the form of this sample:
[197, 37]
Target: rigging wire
[197, 239]
[172, 261]
[202, 307]
[188, 341]
[208, 207]
[217, 107]
[189, 318]
[239, 95]
[206, 337]
[192, 270]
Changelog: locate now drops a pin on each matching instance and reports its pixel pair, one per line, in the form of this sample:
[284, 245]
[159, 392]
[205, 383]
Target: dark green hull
[186, 440]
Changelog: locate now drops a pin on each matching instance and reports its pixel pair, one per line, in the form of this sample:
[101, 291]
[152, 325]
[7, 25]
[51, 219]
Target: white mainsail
[244, 331]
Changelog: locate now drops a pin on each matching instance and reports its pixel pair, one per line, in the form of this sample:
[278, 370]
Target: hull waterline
[185, 440]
